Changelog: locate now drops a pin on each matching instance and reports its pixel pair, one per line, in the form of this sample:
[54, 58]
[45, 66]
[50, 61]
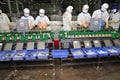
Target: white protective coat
[30, 19]
[83, 17]
[116, 18]
[4, 23]
[99, 14]
[42, 19]
[67, 21]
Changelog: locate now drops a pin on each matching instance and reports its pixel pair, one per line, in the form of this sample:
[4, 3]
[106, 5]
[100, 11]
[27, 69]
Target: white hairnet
[69, 9]
[26, 10]
[105, 6]
[85, 8]
[42, 11]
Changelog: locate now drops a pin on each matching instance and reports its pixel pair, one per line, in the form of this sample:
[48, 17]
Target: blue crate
[20, 55]
[102, 52]
[112, 51]
[6, 55]
[60, 53]
[31, 54]
[90, 52]
[77, 53]
[118, 49]
[43, 54]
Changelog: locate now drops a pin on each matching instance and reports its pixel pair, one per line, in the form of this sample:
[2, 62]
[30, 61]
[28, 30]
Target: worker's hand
[85, 25]
[44, 25]
[111, 21]
[39, 25]
[72, 27]
[10, 26]
[31, 27]
[107, 25]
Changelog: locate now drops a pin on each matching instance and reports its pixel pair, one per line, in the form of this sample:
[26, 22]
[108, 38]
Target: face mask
[85, 11]
[103, 9]
[114, 10]
[70, 10]
[26, 14]
[42, 15]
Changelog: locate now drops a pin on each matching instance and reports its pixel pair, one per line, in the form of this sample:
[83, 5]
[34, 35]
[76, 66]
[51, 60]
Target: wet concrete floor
[109, 71]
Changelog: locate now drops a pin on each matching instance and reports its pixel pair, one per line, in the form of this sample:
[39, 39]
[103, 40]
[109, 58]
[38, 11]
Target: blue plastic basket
[31, 54]
[118, 49]
[77, 53]
[43, 54]
[112, 51]
[60, 53]
[6, 55]
[20, 55]
[90, 52]
[102, 52]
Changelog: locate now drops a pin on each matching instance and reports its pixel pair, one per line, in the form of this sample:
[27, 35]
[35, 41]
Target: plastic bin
[118, 49]
[31, 54]
[90, 52]
[102, 52]
[20, 55]
[6, 55]
[60, 53]
[77, 53]
[113, 51]
[43, 54]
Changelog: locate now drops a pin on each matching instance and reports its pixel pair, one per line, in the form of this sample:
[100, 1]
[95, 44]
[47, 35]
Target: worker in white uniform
[84, 17]
[115, 18]
[4, 22]
[103, 15]
[67, 19]
[42, 21]
[30, 18]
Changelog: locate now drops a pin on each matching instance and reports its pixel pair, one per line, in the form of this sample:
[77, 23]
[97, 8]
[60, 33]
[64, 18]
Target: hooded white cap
[69, 9]
[42, 11]
[26, 12]
[85, 8]
[105, 6]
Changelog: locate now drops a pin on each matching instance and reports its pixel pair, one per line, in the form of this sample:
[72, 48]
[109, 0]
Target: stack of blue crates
[43, 54]
[20, 55]
[112, 51]
[102, 52]
[60, 53]
[90, 52]
[6, 55]
[77, 53]
[31, 54]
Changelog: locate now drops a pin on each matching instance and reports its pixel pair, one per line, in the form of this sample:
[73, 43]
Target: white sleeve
[117, 17]
[32, 21]
[94, 14]
[47, 20]
[6, 18]
[80, 19]
[36, 20]
[65, 19]
[89, 17]
[107, 16]
[69, 19]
